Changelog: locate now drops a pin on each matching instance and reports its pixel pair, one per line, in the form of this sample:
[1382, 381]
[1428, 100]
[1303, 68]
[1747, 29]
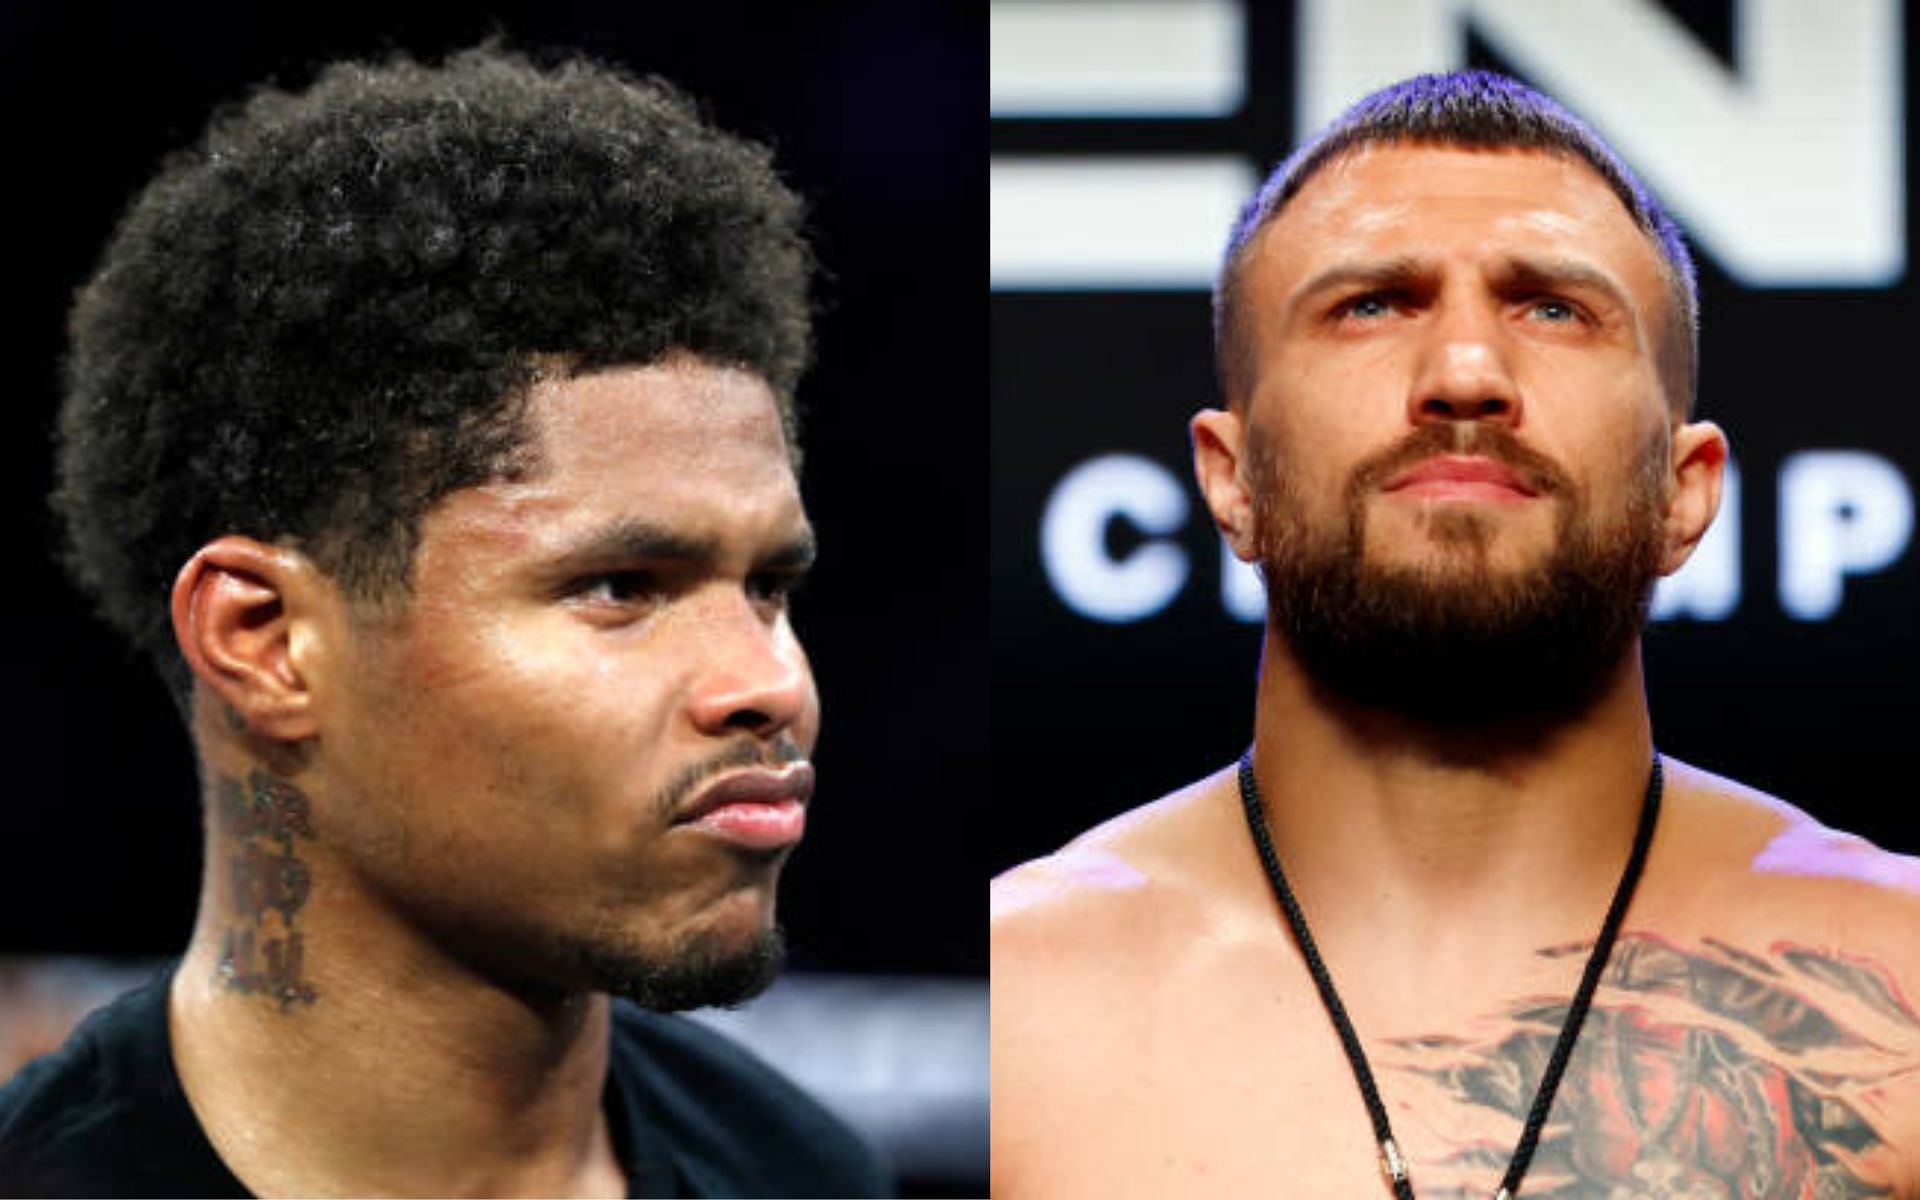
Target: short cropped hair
[327, 315]
[1473, 110]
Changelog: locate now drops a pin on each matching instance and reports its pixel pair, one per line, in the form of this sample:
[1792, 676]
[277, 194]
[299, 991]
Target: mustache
[1538, 472]
[772, 755]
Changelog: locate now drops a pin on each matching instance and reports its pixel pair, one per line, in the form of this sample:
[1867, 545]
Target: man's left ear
[247, 616]
[1699, 463]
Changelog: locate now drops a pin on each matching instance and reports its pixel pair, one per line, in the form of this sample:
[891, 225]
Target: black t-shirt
[691, 1115]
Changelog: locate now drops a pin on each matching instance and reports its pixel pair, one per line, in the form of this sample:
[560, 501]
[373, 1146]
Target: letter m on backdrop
[1786, 168]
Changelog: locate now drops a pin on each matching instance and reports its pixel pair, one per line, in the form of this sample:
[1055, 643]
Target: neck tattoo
[266, 819]
[1392, 1165]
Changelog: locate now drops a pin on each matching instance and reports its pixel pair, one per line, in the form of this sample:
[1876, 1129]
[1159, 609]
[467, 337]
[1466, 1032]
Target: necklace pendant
[1503, 1194]
[1391, 1164]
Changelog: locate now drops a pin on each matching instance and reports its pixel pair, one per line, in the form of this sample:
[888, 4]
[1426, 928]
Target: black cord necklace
[1391, 1164]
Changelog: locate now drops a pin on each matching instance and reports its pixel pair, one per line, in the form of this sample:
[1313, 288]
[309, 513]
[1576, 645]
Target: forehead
[681, 446]
[1447, 203]
[679, 421]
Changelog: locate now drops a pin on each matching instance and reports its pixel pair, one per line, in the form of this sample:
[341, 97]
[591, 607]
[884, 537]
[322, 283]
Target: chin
[725, 952]
[742, 920]
[1465, 533]
[711, 968]
[1503, 564]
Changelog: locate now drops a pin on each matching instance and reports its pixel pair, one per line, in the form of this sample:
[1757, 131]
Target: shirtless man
[1456, 342]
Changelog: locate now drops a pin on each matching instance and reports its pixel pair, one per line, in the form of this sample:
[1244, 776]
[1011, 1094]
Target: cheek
[573, 709]
[512, 722]
[1303, 468]
[1620, 458]
[1338, 406]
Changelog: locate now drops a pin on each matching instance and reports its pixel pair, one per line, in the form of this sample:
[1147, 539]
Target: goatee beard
[1459, 643]
[699, 975]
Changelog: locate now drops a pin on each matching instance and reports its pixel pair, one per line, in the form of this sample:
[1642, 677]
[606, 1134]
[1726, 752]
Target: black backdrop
[874, 110]
[1092, 717]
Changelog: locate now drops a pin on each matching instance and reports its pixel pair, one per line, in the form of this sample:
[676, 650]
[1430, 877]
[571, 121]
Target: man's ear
[241, 616]
[1219, 443]
[1699, 466]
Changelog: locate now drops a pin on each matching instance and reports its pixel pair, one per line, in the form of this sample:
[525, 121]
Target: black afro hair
[326, 315]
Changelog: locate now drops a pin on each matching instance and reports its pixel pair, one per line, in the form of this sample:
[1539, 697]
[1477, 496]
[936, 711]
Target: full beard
[1455, 642]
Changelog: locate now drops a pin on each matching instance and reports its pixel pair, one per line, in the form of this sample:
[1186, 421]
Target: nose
[1463, 372]
[754, 677]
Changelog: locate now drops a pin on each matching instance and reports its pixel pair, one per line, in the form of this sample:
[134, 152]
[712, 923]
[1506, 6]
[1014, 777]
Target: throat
[1435, 867]
[1392, 1160]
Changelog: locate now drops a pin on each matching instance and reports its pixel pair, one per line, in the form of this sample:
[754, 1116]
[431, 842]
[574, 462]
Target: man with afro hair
[432, 428]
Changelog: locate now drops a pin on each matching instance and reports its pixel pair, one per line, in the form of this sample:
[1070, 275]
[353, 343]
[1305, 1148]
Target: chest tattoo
[1709, 1073]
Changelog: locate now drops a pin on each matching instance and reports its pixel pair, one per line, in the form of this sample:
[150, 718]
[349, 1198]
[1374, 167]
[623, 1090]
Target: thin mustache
[742, 754]
[1534, 469]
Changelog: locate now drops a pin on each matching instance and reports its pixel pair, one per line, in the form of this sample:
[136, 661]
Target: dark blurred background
[873, 108]
[1123, 138]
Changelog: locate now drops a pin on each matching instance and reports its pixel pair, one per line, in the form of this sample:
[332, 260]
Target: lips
[756, 808]
[1463, 477]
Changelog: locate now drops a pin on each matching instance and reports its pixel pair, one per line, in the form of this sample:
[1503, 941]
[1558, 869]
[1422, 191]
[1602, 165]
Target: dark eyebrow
[1387, 274]
[634, 540]
[630, 538]
[1545, 274]
[795, 555]
[1554, 274]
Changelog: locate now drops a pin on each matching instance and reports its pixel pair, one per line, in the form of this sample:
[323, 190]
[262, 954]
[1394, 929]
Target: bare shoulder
[1786, 889]
[1088, 942]
[1121, 883]
[1775, 845]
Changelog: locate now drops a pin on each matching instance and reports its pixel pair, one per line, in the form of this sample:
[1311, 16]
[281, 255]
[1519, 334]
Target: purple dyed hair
[1474, 110]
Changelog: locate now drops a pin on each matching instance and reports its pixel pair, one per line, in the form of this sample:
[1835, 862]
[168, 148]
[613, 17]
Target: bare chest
[1699, 1074]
